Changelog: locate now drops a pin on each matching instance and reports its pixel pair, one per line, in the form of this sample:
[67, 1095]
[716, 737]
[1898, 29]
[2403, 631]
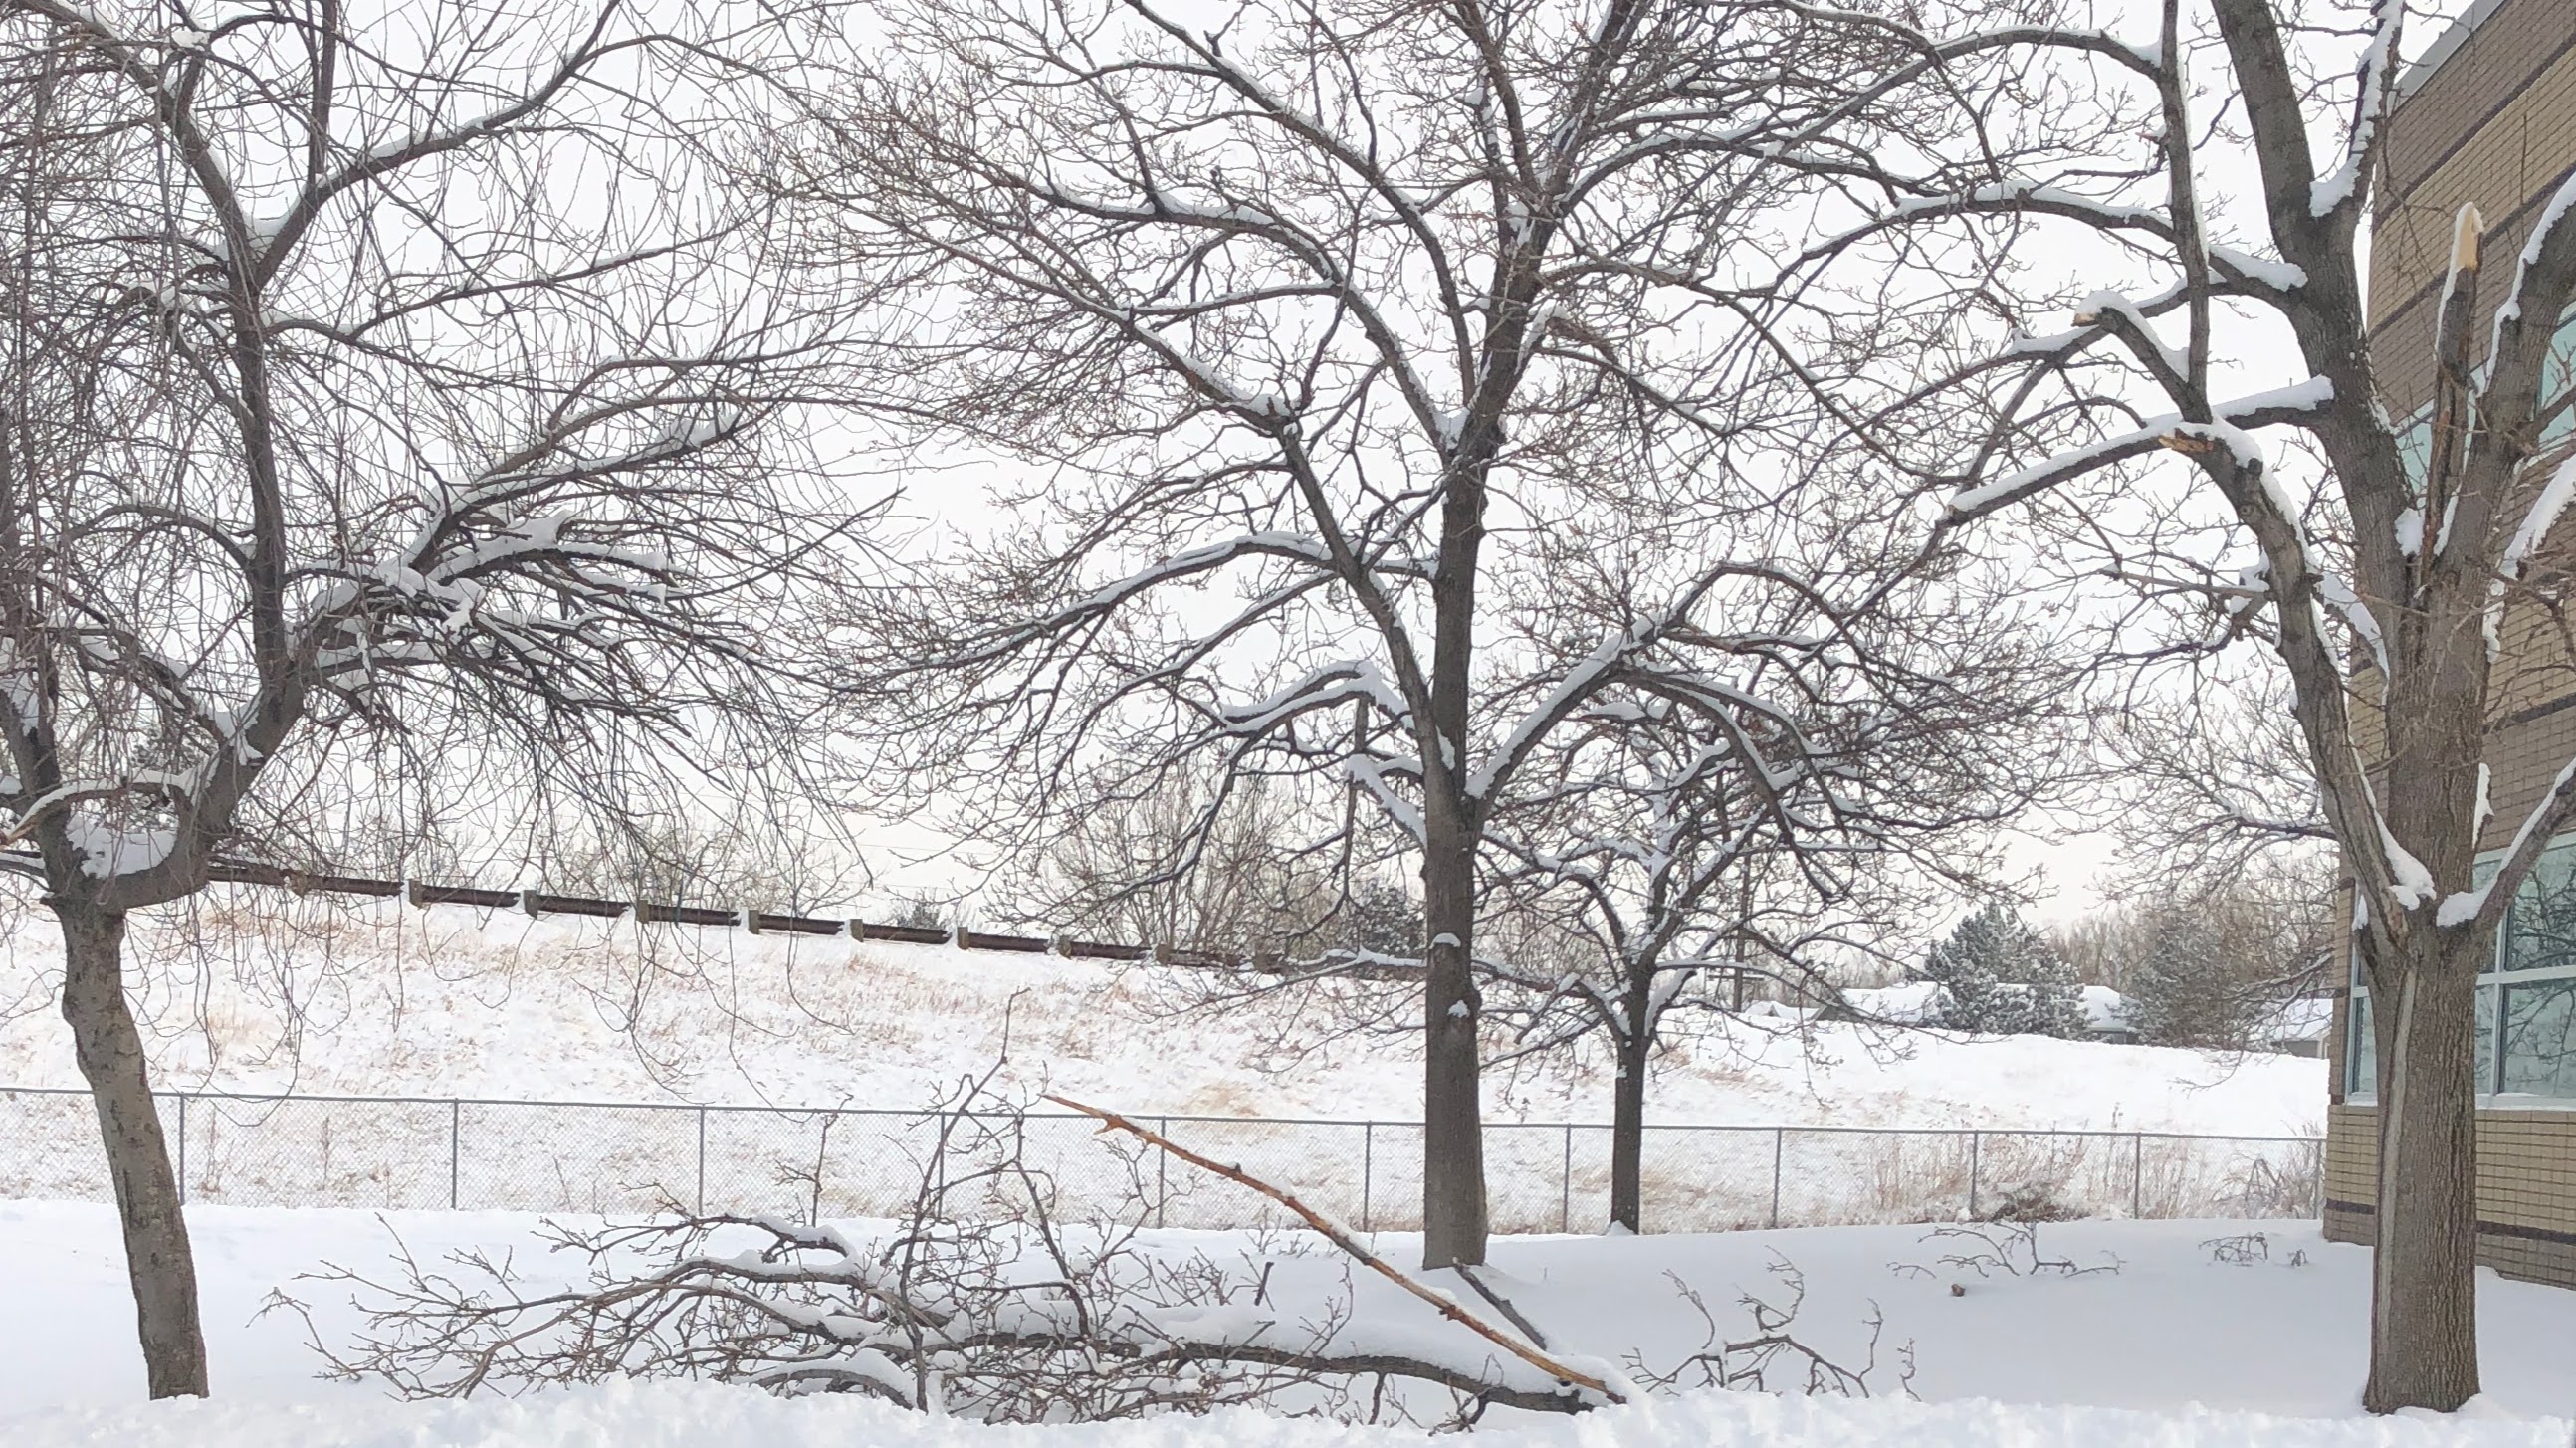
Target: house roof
[2305, 1018]
[2447, 44]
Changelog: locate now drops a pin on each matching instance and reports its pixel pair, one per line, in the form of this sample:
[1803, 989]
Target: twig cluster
[2002, 1249]
[1773, 1359]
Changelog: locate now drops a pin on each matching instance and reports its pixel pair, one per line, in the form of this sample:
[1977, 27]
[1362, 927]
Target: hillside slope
[374, 999]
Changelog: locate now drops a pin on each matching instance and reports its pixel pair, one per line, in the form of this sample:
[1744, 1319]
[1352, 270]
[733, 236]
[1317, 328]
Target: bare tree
[787, 860]
[1695, 840]
[1150, 871]
[2205, 781]
[1327, 340]
[367, 387]
[2216, 963]
[2383, 582]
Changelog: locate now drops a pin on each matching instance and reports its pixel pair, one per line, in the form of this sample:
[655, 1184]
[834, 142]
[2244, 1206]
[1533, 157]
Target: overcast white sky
[2064, 859]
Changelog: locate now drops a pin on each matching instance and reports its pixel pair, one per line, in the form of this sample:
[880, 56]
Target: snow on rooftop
[2307, 1018]
[1920, 1003]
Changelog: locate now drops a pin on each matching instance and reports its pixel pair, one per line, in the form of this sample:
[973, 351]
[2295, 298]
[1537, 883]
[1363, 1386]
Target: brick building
[2487, 118]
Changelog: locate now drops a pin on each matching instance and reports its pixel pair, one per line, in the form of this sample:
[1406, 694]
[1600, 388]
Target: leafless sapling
[1773, 809]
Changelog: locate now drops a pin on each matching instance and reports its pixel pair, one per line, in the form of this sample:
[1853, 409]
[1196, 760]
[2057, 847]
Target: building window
[2526, 1001]
[2557, 379]
[2540, 1040]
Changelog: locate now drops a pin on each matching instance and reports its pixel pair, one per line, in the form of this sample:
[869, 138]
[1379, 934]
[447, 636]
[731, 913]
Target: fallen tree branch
[1022, 1317]
[1351, 1246]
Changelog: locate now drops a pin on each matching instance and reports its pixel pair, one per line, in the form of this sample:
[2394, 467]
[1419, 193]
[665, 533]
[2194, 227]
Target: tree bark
[1453, 1130]
[1628, 1127]
[2423, 1307]
[158, 1260]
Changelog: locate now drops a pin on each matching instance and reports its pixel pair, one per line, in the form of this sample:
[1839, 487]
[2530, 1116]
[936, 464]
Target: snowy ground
[454, 1001]
[2172, 1349]
[711, 1417]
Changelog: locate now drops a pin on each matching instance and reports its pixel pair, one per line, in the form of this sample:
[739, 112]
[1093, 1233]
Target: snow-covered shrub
[2034, 1203]
[2185, 990]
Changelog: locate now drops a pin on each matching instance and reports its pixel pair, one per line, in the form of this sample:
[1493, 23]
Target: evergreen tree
[2183, 991]
[2002, 977]
[1385, 921]
[2056, 997]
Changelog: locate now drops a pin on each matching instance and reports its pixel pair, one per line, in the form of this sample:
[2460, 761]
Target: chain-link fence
[378, 1152]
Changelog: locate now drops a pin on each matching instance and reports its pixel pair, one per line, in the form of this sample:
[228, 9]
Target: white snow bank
[2308, 1018]
[455, 1001]
[703, 1416]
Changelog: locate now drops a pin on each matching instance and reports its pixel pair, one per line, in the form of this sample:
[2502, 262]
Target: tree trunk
[1628, 1127]
[158, 1261]
[2423, 1301]
[1453, 1128]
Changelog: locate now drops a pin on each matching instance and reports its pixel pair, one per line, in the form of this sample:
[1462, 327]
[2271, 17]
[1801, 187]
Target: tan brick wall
[2526, 1188]
[2351, 1149]
[2527, 1169]
[2340, 1030]
[2495, 126]
[2536, 656]
[2532, 704]
[2522, 760]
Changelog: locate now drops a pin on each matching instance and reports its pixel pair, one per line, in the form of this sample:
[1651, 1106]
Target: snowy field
[2174, 1348]
[454, 1001]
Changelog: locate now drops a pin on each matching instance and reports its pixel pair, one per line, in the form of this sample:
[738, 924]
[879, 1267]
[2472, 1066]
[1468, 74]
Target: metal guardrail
[420, 893]
[472, 1153]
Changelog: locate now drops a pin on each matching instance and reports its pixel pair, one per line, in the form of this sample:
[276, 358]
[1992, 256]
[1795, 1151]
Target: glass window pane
[2415, 446]
[2540, 934]
[2540, 1039]
[2487, 1039]
[2361, 1080]
[2554, 379]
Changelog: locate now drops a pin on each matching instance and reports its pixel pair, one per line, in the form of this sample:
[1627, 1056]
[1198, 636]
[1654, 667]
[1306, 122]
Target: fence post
[1162, 1161]
[183, 1148]
[1565, 1185]
[2137, 1176]
[1368, 1168]
[455, 1145]
[702, 1161]
[1779, 1135]
[1976, 1143]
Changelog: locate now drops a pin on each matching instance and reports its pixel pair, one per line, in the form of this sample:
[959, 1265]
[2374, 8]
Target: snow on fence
[548, 1156]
